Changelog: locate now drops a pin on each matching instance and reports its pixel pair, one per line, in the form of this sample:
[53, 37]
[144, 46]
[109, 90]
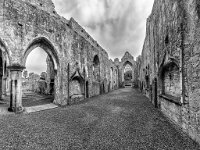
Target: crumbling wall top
[76, 27]
[127, 56]
[46, 5]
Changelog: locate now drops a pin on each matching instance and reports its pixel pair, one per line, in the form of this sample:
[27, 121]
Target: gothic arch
[170, 62]
[123, 67]
[96, 60]
[77, 83]
[46, 45]
[127, 62]
[96, 68]
[169, 75]
[5, 50]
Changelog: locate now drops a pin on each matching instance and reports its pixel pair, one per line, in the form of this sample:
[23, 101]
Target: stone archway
[96, 84]
[170, 78]
[46, 45]
[47, 83]
[96, 68]
[127, 74]
[126, 59]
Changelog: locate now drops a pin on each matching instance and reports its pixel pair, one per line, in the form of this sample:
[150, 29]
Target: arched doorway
[39, 86]
[96, 75]
[127, 74]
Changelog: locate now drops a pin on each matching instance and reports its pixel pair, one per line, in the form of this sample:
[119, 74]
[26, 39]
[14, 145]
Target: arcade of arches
[167, 72]
[77, 66]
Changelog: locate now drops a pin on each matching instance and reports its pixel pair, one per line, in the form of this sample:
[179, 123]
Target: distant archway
[127, 74]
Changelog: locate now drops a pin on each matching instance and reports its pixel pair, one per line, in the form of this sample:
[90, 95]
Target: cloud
[117, 25]
[36, 61]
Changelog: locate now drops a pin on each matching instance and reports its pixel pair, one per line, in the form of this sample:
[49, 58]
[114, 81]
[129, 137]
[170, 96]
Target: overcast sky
[36, 61]
[117, 25]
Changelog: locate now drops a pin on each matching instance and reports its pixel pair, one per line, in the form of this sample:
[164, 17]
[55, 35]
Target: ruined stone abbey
[77, 66]
[167, 71]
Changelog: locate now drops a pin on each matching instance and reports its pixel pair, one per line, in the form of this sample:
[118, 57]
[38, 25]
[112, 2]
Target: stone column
[133, 78]
[16, 88]
[122, 74]
[8, 86]
[4, 87]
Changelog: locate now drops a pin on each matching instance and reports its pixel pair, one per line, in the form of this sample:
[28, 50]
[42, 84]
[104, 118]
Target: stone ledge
[40, 108]
[173, 99]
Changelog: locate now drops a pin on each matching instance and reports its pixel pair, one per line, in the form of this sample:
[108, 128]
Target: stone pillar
[16, 88]
[133, 75]
[4, 87]
[122, 74]
[8, 86]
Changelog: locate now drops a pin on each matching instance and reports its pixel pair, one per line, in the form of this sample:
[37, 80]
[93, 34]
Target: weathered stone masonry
[78, 67]
[168, 69]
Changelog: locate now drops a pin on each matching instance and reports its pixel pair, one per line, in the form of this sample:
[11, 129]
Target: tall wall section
[170, 60]
[81, 65]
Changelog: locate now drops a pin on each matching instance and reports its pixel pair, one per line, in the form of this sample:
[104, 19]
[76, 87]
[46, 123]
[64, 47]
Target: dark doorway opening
[155, 93]
[87, 89]
[102, 90]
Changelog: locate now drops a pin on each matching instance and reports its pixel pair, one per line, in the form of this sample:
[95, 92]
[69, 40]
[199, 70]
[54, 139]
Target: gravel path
[120, 120]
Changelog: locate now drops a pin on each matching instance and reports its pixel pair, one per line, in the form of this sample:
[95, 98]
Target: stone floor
[120, 120]
[30, 99]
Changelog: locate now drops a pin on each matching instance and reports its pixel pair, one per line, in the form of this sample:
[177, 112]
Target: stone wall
[170, 58]
[25, 25]
[45, 5]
